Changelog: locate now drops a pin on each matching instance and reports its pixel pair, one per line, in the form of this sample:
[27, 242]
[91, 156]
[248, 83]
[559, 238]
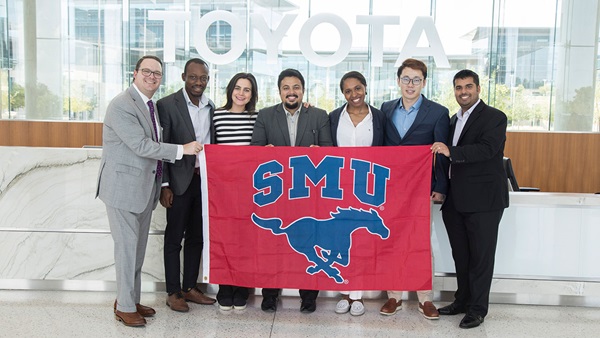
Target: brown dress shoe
[429, 311]
[391, 307]
[195, 295]
[177, 303]
[130, 318]
[143, 310]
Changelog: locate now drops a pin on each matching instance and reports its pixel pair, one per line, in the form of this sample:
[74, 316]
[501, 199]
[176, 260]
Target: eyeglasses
[406, 80]
[194, 78]
[148, 72]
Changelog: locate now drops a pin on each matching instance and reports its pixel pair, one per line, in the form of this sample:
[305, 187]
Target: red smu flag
[324, 218]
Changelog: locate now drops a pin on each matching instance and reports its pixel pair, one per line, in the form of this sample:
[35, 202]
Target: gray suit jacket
[129, 154]
[178, 129]
[271, 127]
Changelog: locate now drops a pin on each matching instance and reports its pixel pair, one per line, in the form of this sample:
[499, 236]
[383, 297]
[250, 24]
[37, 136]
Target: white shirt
[461, 120]
[350, 136]
[200, 116]
[292, 122]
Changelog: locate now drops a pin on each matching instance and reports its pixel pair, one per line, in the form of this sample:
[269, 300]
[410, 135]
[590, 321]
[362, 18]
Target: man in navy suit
[414, 120]
[477, 196]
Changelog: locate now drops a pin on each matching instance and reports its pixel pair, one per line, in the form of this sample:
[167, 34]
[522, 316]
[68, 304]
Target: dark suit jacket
[178, 128]
[378, 125]
[431, 125]
[271, 127]
[478, 180]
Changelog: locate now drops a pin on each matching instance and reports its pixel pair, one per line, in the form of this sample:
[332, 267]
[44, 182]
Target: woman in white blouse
[355, 124]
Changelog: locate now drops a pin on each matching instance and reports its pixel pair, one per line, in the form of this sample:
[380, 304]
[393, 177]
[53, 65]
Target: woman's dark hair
[251, 105]
[353, 75]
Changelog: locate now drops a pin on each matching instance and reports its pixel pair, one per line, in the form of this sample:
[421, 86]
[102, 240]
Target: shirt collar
[468, 112]
[288, 113]
[201, 104]
[144, 97]
[415, 106]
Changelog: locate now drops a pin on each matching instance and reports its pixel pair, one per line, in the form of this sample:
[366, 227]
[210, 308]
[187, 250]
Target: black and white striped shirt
[234, 128]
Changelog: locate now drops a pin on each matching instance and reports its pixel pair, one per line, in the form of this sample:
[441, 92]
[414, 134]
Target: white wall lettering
[238, 37]
[273, 37]
[169, 18]
[424, 24]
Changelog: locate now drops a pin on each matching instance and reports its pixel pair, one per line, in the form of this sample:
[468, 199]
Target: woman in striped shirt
[234, 123]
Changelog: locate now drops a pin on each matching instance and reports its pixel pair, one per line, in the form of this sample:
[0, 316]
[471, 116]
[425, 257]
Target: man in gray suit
[129, 181]
[185, 116]
[291, 124]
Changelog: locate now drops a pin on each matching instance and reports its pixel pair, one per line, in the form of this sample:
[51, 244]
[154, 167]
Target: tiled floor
[89, 314]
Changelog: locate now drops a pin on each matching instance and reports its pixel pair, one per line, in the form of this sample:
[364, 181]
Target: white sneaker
[357, 308]
[342, 306]
[225, 307]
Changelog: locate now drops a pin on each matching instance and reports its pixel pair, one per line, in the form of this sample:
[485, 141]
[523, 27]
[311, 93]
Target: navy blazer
[379, 122]
[432, 124]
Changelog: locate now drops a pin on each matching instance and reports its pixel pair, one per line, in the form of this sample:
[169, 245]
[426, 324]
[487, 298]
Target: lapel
[376, 125]
[183, 111]
[388, 115]
[475, 114]
[302, 124]
[143, 111]
[334, 121]
[281, 120]
[421, 114]
[213, 135]
[452, 128]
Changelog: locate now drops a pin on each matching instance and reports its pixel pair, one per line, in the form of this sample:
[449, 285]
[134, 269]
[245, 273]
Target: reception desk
[54, 235]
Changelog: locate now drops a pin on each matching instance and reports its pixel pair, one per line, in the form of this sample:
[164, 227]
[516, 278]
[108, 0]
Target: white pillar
[576, 65]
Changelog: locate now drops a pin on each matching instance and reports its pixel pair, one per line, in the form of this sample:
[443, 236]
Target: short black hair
[194, 60]
[465, 73]
[290, 73]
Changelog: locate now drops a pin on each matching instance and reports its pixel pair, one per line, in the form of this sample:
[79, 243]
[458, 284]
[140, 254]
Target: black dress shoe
[470, 320]
[269, 304]
[451, 310]
[308, 306]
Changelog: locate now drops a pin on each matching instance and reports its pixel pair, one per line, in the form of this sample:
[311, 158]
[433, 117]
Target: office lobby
[64, 61]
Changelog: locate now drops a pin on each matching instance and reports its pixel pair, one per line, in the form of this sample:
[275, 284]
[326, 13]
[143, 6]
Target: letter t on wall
[377, 22]
[170, 35]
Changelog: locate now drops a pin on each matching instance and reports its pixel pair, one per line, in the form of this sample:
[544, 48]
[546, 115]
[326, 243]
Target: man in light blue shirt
[415, 120]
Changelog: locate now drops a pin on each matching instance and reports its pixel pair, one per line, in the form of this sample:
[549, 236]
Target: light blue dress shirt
[403, 119]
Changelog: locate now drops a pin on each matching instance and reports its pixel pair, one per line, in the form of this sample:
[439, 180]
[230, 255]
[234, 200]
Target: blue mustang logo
[324, 242]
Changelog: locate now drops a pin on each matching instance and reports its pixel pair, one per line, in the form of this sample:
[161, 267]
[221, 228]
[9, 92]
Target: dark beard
[290, 106]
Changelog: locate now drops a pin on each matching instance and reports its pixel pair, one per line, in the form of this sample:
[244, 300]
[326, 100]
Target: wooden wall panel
[50, 134]
[556, 162]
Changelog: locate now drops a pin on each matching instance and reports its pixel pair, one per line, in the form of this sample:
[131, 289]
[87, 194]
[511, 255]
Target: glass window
[65, 60]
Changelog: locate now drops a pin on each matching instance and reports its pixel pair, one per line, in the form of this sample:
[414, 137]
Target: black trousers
[184, 220]
[304, 294]
[473, 237]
